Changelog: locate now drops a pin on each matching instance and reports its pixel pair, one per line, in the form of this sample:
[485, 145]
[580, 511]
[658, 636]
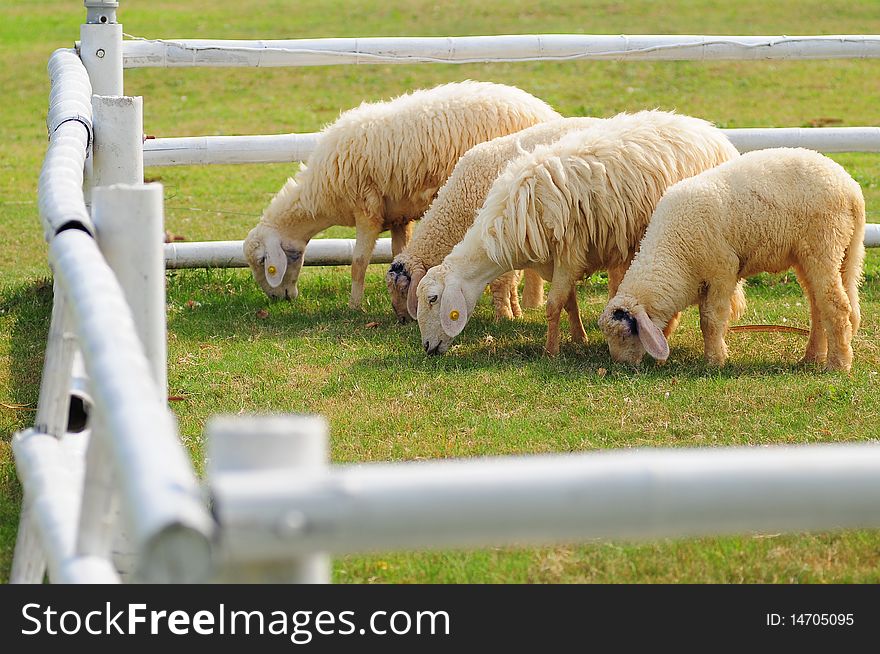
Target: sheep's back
[768, 204]
[453, 210]
[588, 197]
[404, 149]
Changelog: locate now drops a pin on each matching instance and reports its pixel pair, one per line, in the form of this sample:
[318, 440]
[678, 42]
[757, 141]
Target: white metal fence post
[54, 402]
[99, 509]
[129, 227]
[28, 561]
[101, 47]
[118, 151]
[129, 224]
[294, 444]
[53, 407]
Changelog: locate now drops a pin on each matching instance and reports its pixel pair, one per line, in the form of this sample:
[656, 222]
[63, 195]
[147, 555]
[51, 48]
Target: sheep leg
[400, 236]
[575, 326]
[513, 293]
[817, 345]
[615, 276]
[533, 289]
[672, 325]
[500, 288]
[363, 249]
[823, 280]
[559, 296]
[714, 318]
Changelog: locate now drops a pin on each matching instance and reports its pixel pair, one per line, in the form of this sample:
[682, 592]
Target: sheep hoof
[838, 365]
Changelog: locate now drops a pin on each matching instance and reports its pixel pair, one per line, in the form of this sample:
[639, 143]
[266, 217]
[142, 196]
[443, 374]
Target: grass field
[494, 393]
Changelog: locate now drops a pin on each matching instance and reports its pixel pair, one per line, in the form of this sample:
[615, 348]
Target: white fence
[130, 455]
[118, 496]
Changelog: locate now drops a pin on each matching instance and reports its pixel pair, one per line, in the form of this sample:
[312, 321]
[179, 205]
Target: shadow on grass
[226, 304]
[590, 361]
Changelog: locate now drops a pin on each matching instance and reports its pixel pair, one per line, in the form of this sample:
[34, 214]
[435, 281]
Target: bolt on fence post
[298, 444]
[100, 48]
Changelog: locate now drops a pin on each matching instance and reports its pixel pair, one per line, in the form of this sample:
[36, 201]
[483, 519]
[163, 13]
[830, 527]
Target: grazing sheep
[453, 212]
[766, 211]
[378, 167]
[569, 208]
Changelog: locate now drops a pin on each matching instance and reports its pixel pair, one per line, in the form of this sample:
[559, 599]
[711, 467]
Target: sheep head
[630, 332]
[275, 261]
[402, 281]
[443, 309]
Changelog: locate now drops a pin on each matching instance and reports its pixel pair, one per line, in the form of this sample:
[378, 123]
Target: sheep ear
[276, 261]
[453, 311]
[652, 338]
[412, 298]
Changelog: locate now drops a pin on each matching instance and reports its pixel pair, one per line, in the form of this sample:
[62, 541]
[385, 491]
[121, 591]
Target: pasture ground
[494, 393]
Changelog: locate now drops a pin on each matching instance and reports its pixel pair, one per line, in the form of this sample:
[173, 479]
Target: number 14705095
[810, 619]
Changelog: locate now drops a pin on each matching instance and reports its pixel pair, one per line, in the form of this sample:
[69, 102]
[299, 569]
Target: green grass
[494, 393]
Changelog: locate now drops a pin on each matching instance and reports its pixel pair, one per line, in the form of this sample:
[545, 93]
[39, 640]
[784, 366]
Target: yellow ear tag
[272, 270]
[453, 315]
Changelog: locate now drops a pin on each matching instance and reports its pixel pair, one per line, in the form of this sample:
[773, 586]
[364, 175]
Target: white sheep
[452, 212]
[378, 167]
[766, 211]
[569, 208]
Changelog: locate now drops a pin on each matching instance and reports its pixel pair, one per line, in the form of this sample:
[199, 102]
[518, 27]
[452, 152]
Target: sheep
[767, 211]
[378, 167]
[569, 208]
[453, 211]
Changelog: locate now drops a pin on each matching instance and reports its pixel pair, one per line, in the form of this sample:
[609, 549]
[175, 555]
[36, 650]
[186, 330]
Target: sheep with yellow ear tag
[568, 208]
[377, 168]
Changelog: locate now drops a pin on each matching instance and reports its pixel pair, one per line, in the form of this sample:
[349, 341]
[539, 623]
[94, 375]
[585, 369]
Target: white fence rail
[59, 191]
[319, 252]
[285, 148]
[268, 514]
[281, 508]
[486, 49]
[229, 254]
